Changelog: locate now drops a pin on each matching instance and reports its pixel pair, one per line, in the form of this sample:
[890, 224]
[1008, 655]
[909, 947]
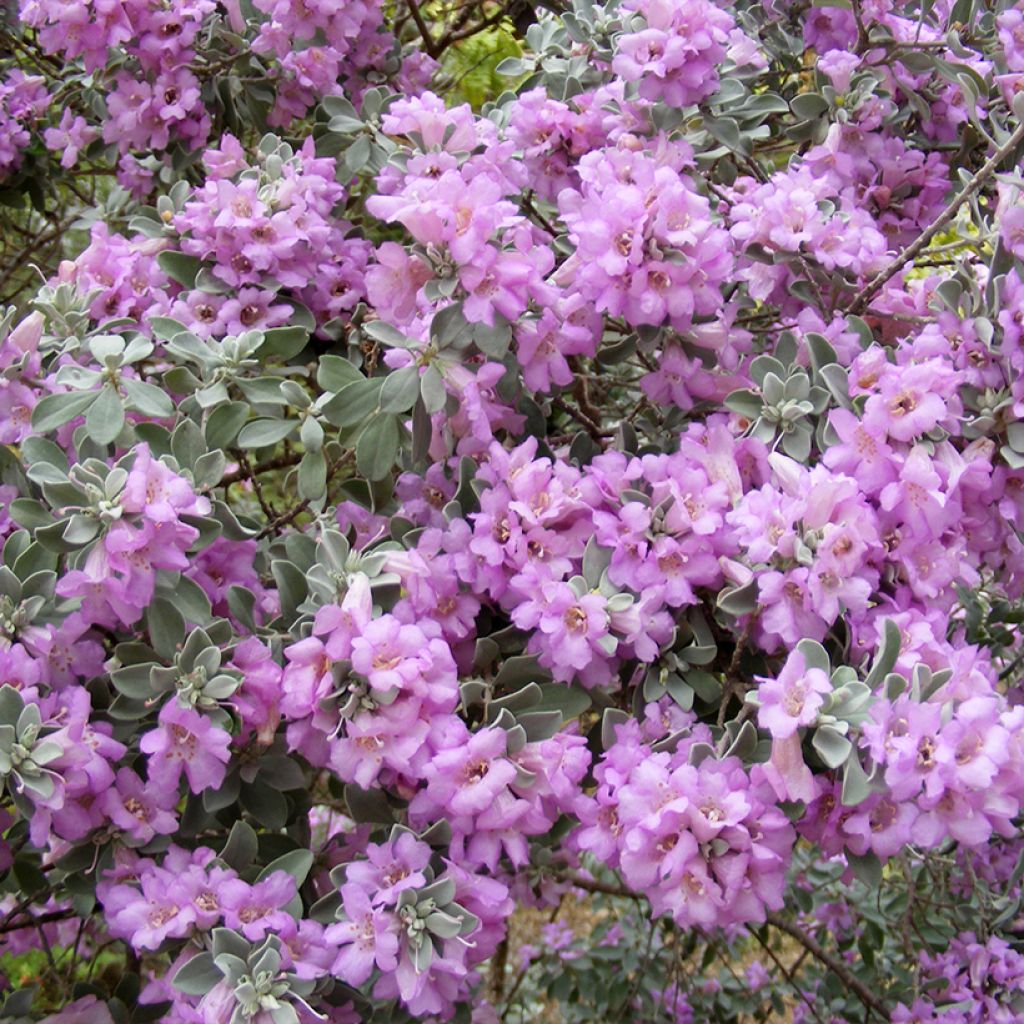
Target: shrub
[476, 554]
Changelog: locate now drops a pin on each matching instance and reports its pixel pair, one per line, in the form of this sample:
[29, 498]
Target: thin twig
[592, 885]
[429, 42]
[789, 976]
[592, 428]
[864, 297]
[284, 519]
[278, 462]
[454, 37]
[265, 504]
[833, 963]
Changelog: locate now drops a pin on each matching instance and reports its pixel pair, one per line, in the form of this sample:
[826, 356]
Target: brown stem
[34, 922]
[268, 509]
[278, 462]
[862, 31]
[453, 37]
[498, 970]
[866, 294]
[579, 389]
[833, 963]
[18, 262]
[592, 885]
[581, 417]
[788, 974]
[429, 42]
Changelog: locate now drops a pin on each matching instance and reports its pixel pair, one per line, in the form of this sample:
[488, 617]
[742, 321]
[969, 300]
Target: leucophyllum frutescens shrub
[562, 557]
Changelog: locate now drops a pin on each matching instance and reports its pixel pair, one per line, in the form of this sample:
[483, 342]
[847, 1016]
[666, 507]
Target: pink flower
[257, 909]
[71, 136]
[140, 810]
[186, 742]
[793, 698]
[368, 939]
[839, 66]
[1011, 230]
[467, 779]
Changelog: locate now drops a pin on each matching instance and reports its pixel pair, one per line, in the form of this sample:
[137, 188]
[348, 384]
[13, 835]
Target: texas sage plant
[511, 513]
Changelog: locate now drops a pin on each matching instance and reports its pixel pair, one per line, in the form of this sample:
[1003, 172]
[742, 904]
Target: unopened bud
[25, 337]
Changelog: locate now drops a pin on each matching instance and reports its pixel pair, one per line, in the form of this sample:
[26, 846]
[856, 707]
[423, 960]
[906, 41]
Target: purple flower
[839, 66]
[1011, 230]
[793, 698]
[186, 742]
[71, 136]
[140, 810]
[573, 631]
[162, 910]
[675, 58]
[367, 939]
[257, 909]
[391, 867]
[206, 889]
[158, 494]
[468, 778]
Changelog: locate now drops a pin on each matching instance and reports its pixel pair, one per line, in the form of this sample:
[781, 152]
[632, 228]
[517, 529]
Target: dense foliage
[490, 554]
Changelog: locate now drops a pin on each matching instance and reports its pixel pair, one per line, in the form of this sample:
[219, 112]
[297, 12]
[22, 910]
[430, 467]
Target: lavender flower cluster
[413, 514]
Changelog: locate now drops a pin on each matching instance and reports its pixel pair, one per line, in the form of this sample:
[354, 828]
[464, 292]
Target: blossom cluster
[23, 100]
[702, 838]
[611, 490]
[972, 981]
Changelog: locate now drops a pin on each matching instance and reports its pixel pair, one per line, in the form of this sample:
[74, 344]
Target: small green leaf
[354, 403]
[241, 848]
[284, 342]
[386, 334]
[148, 399]
[133, 681]
[887, 655]
[377, 448]
[739, 601]
[313, 476]
[291, 585]
[197, 976]
[166, 627]
[179, 267]
[493, 340]
[821, 351]
[265, 804]
[867, 867]
[814, 655]
[29, 513]
[264, 433]
[400, 389]
[335, 372]
[224, 423]
[190, 599]
[54, 411]
[571, 701]
[297, 863]
[164, 328]
[432, 390]
[610, 721]
[809, 105]
[831, 746]
[856, 786]
[105, 418]
[1015, 436]
[358, 154]
[745, 402]
[368, 805]
[595, 560]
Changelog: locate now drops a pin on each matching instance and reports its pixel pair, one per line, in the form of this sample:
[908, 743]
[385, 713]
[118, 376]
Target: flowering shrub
[555, 556]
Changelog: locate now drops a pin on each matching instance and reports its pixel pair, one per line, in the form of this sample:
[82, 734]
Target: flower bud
[26, 336]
